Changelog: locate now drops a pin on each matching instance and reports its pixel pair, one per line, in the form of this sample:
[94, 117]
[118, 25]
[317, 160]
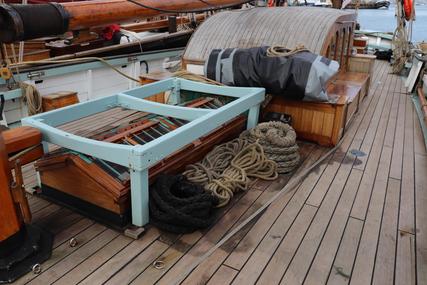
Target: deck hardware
[159, 264]
[35, 75]
[5, 73]
[357, 153]
[73, 242]
[37, 268]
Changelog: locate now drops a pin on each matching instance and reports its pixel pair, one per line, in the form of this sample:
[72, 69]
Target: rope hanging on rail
[279, 143]
[32, 97]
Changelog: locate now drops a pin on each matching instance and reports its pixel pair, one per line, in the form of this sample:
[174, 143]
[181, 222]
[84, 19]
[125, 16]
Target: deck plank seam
[364, 114]
[290, 226]
[329, 222]
[381, 145]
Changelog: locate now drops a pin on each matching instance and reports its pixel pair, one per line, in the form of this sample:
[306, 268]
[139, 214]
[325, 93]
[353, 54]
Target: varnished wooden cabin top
[353, 220]
[287, 26]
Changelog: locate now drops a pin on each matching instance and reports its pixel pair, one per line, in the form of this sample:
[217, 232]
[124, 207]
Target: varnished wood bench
[323, 122]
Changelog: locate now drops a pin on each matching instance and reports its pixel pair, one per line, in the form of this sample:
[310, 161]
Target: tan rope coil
[279, 143]
[32, 97]
[250, 162]
[214, 163]
[229, 167]
[274, 51]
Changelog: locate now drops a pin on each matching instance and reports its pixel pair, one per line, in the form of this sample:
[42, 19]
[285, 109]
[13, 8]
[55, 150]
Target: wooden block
[21, 138]
[59, 99]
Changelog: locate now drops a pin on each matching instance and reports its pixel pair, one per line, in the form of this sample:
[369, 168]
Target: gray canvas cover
[301, 76]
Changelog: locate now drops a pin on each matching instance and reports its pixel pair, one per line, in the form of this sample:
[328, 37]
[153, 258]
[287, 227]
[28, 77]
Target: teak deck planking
[353, 220]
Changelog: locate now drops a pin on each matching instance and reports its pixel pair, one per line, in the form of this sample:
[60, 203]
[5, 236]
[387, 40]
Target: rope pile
[279, 143]
[229, 167]
[249, 163]
[179, 206]
[214, 163]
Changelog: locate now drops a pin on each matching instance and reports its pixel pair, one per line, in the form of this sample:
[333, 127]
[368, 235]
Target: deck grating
[353, 220]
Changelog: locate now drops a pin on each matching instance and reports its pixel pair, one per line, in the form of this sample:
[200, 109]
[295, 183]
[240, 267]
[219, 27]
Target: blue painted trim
[140, 158]
[185, 113]
[12, 94]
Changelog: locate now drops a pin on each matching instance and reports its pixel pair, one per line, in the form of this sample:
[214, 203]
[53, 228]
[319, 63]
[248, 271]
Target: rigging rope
[400, 41]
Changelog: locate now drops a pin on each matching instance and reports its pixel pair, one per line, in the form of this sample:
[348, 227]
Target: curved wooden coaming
[316, 28]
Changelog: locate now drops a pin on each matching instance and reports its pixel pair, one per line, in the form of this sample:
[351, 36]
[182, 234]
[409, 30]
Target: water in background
[383, 20]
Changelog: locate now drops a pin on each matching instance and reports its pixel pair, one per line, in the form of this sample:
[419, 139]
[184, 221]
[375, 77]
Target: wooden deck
[353, 220]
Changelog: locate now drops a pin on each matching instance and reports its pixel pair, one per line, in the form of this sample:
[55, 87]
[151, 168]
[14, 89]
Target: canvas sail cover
[301, 76]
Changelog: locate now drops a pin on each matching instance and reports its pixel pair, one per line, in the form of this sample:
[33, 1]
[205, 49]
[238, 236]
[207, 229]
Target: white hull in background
[89, 84]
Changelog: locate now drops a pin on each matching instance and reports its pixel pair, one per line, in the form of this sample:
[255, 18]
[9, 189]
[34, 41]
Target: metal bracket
[37, 75]
[132, 58]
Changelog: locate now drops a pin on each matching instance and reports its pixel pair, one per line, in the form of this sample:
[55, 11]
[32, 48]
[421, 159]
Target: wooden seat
[359, 79]
[325, 122]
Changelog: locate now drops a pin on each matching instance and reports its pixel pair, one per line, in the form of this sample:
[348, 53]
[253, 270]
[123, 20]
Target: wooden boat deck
[356, 220]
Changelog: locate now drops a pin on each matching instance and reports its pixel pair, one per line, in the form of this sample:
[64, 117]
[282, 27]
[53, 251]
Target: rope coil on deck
[179, 206]
[279, 143]
[249, 163]
[229, 167]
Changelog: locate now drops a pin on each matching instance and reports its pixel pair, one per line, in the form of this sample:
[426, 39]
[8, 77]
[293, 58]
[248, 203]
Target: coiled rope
[279, 143]
[250, 162]
[32, 97]
[275, 51]
[179, 206]
[229, 167]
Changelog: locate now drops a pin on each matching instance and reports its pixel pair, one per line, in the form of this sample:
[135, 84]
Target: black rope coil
[179, 206]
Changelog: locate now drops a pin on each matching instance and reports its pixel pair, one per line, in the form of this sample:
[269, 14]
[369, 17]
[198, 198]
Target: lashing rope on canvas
[283, 51]
[279, 143]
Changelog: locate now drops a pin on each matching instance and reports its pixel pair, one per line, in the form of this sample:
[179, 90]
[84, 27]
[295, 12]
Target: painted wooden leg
[139, 197]
[253, 117]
